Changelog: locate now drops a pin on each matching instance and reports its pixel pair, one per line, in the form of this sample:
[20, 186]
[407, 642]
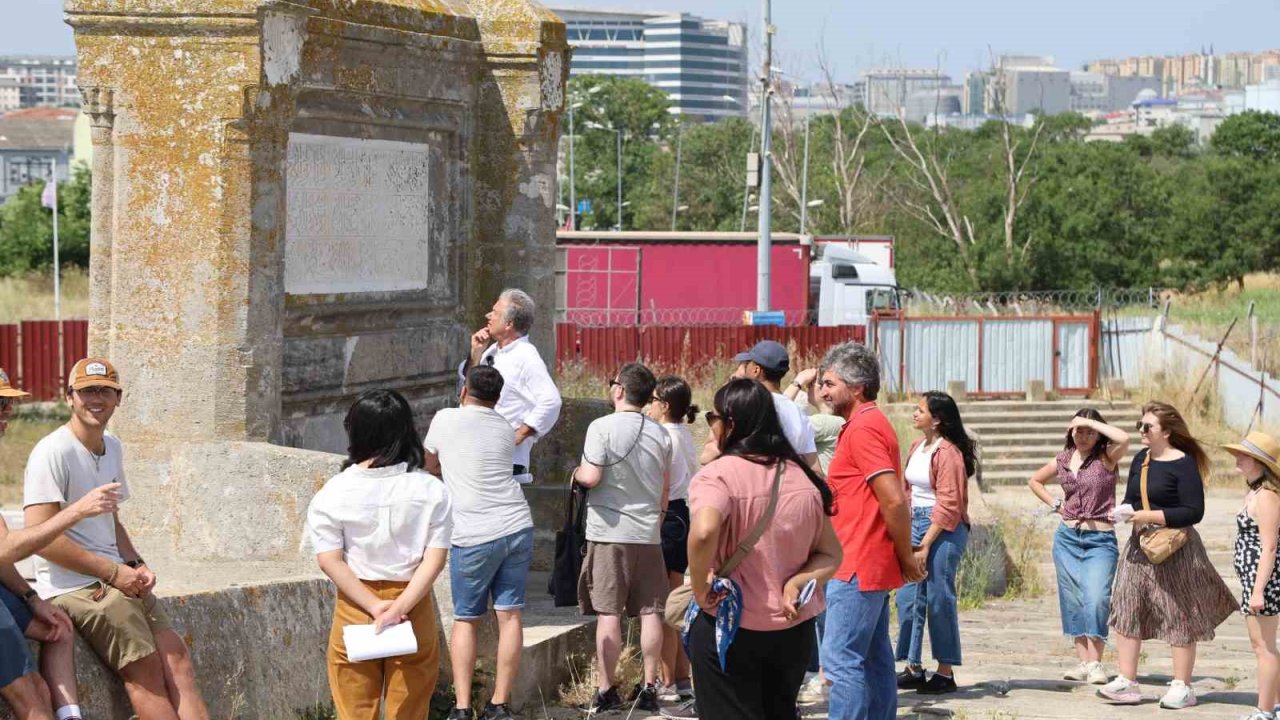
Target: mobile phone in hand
[806, 593]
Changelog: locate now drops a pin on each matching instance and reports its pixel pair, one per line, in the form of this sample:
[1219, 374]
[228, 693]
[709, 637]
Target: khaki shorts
[120, 629]
[623, 579]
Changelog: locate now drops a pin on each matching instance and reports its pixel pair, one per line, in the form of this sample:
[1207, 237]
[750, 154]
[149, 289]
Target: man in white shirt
[767, 362]
[92, 572]
[470, 447]
[530, 400]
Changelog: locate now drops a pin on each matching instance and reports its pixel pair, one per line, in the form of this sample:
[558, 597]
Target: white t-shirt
[917, 473]
[384, 519]
[684, 460]
[62, 470]
[795, 425]
[474, 444]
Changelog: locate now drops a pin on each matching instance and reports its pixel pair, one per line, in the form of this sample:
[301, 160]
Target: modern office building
[700, 64]
[1099, 93]
[43, 80]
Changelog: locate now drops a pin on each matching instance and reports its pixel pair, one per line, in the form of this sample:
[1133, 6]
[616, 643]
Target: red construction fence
[29, 354]
[605, 348]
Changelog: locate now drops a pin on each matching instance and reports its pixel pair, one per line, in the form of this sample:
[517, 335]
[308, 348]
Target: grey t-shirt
[636, 454]
[61, 470]
[475, 446]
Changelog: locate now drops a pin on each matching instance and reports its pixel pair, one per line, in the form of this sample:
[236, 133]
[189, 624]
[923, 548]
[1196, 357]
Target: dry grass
[26, 428]
[580, 691]
[1209, 313]
[30, 297]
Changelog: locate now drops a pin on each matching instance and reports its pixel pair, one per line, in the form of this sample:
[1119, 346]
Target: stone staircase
[1017, 437]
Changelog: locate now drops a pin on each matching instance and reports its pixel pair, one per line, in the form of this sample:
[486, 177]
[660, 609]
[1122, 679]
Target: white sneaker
[1079, 672]
[1259, 715]
[1096, 674]
[1180, 695]
[668, 693]
[813, 691]
[1121, 691]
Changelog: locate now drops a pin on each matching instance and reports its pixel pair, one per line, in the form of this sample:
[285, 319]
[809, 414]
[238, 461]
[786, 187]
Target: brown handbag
[1158, 543]
[679, 600]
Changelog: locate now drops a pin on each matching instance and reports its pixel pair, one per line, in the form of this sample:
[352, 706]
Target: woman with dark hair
[381, 532]
[673, 407]
[1178, 597]
[780, 581]
[939, 465]
[1084, 546]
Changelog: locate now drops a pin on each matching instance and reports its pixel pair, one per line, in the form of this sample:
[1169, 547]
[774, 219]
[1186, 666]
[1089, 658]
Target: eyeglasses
[95, 391]
[1143, 427]
[710, 416]
[614, 382]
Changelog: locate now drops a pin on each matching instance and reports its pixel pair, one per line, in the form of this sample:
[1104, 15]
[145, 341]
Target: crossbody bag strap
[1146, 463]
[749, 542]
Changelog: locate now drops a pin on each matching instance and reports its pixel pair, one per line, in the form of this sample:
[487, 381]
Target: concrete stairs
[1018, 437]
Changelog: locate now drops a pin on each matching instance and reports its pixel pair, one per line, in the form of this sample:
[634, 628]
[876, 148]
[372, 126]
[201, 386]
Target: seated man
[23, 612]
[92, 571]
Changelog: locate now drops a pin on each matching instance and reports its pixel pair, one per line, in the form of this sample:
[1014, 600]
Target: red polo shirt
[867, 447]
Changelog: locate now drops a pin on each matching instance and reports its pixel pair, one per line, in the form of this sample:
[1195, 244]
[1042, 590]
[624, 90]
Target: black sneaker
[501, 711]
[458, 713]
[645, 698]
[605, 701]
[909, 679]
[938, 685]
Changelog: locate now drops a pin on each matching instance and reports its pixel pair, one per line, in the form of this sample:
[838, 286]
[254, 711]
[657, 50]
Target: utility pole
[619, 132]
[573, 193]
[804, 178]
[764, 247]
[675, 184]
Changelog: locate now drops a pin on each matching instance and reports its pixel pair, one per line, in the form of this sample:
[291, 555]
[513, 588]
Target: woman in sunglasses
[774, 594]
[1179, 598]
[1084, 546]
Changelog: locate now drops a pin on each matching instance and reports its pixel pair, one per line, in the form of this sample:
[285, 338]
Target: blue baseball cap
[768, 354]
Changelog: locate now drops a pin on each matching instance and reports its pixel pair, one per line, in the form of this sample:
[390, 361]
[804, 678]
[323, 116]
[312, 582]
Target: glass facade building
[700, 64]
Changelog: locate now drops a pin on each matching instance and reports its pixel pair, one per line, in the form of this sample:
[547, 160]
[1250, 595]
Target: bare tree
[931, 196]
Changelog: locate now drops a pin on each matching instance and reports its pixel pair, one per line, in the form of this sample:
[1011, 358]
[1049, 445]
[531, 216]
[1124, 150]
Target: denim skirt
[1085, 561]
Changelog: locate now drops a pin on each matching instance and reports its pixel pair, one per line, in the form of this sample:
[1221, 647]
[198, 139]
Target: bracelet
[115, 570]
[30, 593]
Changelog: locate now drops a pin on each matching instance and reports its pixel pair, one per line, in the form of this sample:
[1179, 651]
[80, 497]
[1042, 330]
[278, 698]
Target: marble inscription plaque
[358, 214]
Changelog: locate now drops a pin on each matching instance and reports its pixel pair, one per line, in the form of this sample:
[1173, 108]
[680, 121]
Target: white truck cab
[847, 287]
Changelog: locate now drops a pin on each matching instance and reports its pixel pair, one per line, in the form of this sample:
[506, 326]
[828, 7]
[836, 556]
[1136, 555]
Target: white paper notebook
[362, 644]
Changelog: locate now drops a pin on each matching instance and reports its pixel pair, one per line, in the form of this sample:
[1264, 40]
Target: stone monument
[293, 202]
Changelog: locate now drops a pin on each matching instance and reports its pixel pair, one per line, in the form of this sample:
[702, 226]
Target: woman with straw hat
[1257, 527]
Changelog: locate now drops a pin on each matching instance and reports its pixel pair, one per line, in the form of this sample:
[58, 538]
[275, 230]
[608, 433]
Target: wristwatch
[31, 593]
[135, 564]
[797, 384]
[1056, 505]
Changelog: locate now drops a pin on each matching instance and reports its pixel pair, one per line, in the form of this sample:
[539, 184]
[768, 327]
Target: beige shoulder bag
[679, 600]
[1158, 543]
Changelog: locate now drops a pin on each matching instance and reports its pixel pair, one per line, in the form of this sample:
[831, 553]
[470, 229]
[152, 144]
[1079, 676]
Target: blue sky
[858, 34]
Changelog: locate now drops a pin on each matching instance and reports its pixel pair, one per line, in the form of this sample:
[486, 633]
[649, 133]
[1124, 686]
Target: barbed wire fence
[1037, 302]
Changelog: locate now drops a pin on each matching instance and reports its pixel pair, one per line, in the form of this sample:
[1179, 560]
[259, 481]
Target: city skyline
[956, 37]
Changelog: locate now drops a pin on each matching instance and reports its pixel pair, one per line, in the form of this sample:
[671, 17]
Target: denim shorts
[497, 569]
[15, 656]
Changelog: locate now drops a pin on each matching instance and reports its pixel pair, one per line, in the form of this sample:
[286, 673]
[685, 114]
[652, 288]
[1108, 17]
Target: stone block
[957, 390]
[1116, 387]
[1036, 391]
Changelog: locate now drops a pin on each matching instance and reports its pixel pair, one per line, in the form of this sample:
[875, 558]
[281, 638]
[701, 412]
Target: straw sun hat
[1261, 447]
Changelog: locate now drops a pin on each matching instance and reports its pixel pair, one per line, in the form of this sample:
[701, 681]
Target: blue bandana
[728, 617]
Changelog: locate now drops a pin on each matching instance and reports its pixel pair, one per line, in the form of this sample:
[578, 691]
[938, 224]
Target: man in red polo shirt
[873, 522]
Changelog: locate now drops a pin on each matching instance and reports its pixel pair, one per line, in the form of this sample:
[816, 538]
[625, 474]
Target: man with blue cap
[767, 362]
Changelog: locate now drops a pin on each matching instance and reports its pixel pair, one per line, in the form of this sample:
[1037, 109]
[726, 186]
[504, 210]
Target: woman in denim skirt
[938, 469]
[1084, 547]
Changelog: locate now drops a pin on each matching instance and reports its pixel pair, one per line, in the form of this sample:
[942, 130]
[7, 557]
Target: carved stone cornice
[98, 102]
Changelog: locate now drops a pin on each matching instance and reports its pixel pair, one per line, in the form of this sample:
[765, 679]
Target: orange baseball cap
[9, 391]
[94, 372]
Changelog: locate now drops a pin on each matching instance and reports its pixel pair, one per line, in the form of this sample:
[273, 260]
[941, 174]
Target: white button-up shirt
[529, 397]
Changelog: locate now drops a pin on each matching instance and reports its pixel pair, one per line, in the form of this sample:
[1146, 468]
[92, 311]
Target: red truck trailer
[686, 278]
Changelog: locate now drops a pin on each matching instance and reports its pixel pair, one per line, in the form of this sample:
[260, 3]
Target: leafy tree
[26, 226]
[1251, 134]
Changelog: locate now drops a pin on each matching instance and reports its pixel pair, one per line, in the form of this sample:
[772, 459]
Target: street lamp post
[675, 183]
[618, 133]
[573, 178]
[764, 246]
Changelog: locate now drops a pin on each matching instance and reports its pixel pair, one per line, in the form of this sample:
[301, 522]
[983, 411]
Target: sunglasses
[710, 416]
[1143, 427]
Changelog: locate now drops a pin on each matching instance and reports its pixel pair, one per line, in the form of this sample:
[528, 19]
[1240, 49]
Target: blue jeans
[1085, 561]
[497, 569]
[934, 598]
[856, 654]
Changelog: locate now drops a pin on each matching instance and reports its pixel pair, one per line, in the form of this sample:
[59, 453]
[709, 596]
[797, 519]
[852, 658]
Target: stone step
[979, 418]
[1048, 407]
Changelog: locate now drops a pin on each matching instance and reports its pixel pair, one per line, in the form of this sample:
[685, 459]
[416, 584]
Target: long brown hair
[1179, 436]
